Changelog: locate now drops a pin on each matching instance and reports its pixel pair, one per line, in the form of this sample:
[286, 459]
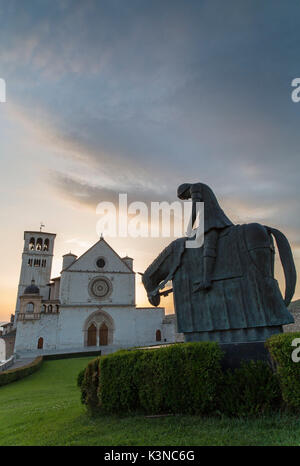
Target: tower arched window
[31, 244]
[50, 308]
[39, 244]
[46, 245]
[29, 307]
[44, 308]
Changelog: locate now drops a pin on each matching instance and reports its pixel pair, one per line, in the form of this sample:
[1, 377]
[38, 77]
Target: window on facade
[46, 245]
[44, 308]
[43, 262]
[158, 335]
[40, 343]
[50, 308]
[29, 307]
[37, 262]
[39, 244]
[100, 262]
[30, 262]
[31, 244]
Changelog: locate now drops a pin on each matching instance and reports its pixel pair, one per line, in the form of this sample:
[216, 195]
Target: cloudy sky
[139, 96]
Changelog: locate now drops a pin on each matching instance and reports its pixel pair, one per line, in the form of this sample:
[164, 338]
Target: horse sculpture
[225, 290]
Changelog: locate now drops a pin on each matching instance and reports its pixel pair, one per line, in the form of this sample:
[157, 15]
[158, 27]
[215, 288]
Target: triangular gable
[87, 261]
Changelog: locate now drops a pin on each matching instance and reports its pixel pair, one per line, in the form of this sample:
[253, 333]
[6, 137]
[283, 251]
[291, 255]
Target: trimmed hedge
[119, 382]
[13, 375]
[280, 348]
[251, 390]
[187, 378]
[180, 378]
[80, 378]
[89, 386]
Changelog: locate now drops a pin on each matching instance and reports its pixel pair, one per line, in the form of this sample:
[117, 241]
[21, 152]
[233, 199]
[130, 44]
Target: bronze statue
[225, 290]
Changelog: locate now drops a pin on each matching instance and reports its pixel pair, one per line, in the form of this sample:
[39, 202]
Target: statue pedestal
[235, 353]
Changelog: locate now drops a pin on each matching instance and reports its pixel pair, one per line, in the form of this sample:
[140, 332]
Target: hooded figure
[224, 290]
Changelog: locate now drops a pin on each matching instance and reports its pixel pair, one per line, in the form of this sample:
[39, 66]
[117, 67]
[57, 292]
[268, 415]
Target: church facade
[91, 305]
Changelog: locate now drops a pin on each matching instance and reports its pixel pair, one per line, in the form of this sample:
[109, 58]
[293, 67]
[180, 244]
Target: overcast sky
[139, 96]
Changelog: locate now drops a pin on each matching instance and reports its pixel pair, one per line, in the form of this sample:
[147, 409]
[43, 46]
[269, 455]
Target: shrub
[180, 378]
[80, 378]
[187, 378]
[280, 348]
[251, 390]
[89, 385]
[12, 375]
[118, 389]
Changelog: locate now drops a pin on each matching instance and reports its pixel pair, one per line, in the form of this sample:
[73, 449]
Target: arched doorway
[103, 334]
[98, 329]
[158, 335]
[92, 335]
[40, 343]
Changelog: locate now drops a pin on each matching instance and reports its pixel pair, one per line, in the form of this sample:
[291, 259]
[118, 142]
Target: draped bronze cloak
[242, 296]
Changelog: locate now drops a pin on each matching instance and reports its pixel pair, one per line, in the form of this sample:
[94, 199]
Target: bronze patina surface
[225, 290]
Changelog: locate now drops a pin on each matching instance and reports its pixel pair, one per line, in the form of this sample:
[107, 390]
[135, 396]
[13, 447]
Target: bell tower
[36, 263]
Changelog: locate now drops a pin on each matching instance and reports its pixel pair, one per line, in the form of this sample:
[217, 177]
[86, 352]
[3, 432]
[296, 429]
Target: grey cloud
[152, 94]
[90, 196]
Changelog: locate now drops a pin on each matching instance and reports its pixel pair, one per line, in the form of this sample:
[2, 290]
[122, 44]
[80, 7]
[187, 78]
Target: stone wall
[294, 309]
[130, 327]
[170, 330]
[29, 332]
[7, 344]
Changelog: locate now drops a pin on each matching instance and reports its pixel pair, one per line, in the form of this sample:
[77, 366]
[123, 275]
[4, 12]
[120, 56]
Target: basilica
[90, 305]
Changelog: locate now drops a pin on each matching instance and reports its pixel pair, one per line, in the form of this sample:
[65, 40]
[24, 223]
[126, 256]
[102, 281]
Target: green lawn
[45, 409]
